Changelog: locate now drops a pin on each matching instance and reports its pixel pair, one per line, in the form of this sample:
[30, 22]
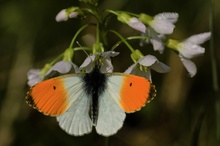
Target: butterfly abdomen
[94, 85]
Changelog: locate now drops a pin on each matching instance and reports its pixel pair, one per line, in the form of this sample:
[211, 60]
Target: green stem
[118, 12]
[214, 73]
[113, 12]
[82, 48]
[130, 38]
[97, 34]
[123, 40]
[56, 59]
[107, 141]
[77, 33]
[212, 50]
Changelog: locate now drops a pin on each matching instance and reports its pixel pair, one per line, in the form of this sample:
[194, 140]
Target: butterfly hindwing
[76, 120]
[110, 115]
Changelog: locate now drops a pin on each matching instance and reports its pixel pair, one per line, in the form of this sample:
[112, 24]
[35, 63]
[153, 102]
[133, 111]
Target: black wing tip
[152, 93]
[29, 100]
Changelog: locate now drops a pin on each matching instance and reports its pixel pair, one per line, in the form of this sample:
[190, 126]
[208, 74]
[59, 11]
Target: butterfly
[81, 101]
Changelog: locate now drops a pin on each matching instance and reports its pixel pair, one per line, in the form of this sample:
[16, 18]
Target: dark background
[183, 112]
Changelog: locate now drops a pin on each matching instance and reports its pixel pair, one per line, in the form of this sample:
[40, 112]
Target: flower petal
[199, 38]
[167, 16]
[189, 65]
[73, 14]
[157, 45]
[163, 27]
[160, 67]
[88, 63]
[33, 73]
[156, 41]
[145, 74]
[133, 69]
[34, 77]
[163, 22]
[190, 50]
[109, 54]
[130, 68]
[137, 24]
[147, 60]
[153, 63]
[107, 66]
[62, 16]
[62, 67]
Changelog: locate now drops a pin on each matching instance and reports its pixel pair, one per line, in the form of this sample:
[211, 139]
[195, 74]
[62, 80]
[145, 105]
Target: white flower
[65, 14]
[189, 65]
[73, 14]
[137, 24]
[163, 22]
[62, 16]
[63, 67]
[155, 39]
[133, 22]
[107, 66]
[34, 76]
[159, 26]
[190, 48]
[150, 62]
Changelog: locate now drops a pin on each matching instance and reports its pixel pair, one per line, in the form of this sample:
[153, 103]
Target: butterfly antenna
[84, 51]
[82, 48]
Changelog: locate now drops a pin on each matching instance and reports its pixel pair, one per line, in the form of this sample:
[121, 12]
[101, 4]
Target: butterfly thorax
[94, 85]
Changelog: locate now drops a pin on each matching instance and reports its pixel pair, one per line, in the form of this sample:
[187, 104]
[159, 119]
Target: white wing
[110, 114]
[76, 120]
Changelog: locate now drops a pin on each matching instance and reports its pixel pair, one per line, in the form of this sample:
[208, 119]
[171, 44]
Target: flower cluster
[153, 30]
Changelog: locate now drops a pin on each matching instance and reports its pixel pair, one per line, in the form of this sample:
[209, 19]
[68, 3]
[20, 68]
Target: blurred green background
[182, 114]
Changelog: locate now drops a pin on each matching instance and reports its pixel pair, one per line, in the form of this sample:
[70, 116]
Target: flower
[144, 65]
[62, 67]
[65, 14]
[107, 66]
[136, 24]
[62, 16]
[133, 22]
[155, 39]
[34, 76]
[162, 23]
[159, 26]
[188, 49]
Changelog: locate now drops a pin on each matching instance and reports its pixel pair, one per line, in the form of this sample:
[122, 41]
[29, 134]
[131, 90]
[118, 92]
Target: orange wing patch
[49, 97]
[135, 92]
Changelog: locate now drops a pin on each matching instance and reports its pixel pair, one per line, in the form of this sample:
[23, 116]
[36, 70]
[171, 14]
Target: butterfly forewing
[53, 97]
[131, 92]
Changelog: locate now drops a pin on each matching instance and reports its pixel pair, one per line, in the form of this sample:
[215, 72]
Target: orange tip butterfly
[81, 101]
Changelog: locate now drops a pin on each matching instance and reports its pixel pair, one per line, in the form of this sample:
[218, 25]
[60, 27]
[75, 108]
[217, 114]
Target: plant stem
[107, 141]
[123, 40]
[77, 33]
[214, 73]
